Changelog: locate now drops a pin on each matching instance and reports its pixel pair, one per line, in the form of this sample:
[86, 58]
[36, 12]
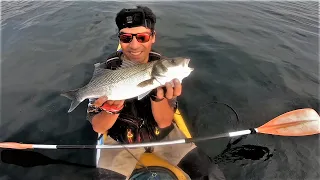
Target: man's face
[137, 51]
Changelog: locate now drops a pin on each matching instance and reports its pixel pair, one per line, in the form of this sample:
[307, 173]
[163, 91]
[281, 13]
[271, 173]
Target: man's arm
[101, 121]
[163, 110]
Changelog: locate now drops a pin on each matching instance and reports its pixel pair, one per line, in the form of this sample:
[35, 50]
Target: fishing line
[217, 102]
[153, 174]
[196, 119]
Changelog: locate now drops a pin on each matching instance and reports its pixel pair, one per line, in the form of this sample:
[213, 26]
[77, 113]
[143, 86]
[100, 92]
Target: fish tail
[73, 95]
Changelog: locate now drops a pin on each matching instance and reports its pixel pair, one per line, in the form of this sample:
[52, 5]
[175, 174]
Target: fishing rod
[300, 122]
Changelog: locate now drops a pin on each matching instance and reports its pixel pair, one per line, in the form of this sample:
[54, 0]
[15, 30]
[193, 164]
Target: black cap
[140, 16]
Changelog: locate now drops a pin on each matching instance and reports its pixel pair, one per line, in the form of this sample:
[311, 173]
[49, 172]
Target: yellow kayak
[151, 159]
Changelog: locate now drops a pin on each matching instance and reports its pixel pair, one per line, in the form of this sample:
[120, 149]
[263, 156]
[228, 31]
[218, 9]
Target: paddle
[301, 122]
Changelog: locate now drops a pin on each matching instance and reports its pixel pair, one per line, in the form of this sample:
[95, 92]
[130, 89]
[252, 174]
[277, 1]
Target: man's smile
[136, 53]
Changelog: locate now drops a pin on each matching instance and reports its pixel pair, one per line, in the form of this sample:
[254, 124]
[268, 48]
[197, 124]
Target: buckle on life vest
[157, 132]
[129, 136]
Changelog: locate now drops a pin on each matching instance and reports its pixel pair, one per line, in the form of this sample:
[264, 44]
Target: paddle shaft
[137, 145]
[217, 136]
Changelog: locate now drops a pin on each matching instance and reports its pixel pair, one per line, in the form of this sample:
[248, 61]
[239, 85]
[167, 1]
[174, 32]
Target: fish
[131, 80]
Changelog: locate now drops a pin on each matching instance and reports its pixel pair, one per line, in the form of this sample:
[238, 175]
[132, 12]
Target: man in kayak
[132, 120]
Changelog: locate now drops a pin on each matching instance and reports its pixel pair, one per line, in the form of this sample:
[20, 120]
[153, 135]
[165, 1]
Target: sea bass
[130, 80]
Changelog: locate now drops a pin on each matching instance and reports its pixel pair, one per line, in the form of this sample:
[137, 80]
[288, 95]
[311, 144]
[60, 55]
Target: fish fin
[99, 70]
[73, 105]
[146, 83]
[143, 95]
[73, 96]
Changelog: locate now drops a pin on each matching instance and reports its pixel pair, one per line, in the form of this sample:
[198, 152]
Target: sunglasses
[141, 37]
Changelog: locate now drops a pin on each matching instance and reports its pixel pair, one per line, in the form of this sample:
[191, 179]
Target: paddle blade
[301, 122]
[14, 145]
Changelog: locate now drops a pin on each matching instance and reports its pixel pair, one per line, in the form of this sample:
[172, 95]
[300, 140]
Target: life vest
[135, 122]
